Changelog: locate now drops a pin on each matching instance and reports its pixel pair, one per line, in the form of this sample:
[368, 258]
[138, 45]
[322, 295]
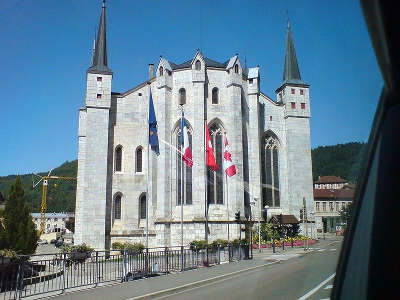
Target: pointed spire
[291, 69]
[99, 61]
[93, 50]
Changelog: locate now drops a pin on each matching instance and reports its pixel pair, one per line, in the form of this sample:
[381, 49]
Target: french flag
[184, 140]
[229, 167]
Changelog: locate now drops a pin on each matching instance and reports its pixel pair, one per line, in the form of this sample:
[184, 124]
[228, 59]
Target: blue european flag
[153, 137]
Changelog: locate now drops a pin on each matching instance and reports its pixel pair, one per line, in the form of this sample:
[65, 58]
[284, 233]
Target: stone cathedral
[269, 141]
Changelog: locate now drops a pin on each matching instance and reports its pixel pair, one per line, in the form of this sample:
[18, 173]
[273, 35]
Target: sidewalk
[157, 286]
[162, 285]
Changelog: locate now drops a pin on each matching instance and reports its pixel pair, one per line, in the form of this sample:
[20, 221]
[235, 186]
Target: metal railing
[46, 273]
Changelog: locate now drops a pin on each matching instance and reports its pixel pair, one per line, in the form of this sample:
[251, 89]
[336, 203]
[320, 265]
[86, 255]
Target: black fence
[55, 273]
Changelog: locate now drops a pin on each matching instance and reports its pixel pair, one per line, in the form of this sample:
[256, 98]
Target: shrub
[131, 248]
[198, 245]
[117, 246]
[83, 248]
[221, 242]
[8, 253]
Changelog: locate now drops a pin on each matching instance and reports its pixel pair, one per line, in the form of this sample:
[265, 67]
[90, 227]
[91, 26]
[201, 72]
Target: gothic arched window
[215, 180]
[187, 172]
[182, 96]
[215, 95]
[236, 69]
[270, 171]
[197, 65]
[117, 207]
[118, 159]
[142, 207]
[139, 159]
[161, 71]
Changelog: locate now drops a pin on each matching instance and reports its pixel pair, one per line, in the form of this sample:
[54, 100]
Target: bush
[8, 253]
[131, 248]
[117, 246]
[221, 242]
[83, 248]
[198, 245]
[134, 248]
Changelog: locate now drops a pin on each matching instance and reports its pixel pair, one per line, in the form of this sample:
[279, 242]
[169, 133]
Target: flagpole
[182, 190]
[227, 203]
[205, 186]
[147, 174]
[147, 198]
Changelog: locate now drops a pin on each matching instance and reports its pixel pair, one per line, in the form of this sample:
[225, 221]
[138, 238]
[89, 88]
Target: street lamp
[259, 227]
[252, 203]
[313, 224]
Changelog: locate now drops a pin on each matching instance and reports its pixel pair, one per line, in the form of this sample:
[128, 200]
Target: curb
[195, 284]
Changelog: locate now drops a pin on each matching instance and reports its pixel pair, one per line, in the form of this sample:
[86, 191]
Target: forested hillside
[60, 193]
[341, 160]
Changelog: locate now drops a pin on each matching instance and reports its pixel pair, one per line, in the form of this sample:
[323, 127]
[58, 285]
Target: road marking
[321, 250]
[333, 249]
[200, 283]
[325, 299]
[317, 287]
[329, 286]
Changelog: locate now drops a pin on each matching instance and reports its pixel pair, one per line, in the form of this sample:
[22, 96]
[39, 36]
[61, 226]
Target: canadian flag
[229, 167]
[186, 152]
[210, 159]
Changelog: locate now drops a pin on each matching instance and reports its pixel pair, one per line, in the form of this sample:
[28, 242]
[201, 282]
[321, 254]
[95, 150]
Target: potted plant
[7, 255]
[77, 253]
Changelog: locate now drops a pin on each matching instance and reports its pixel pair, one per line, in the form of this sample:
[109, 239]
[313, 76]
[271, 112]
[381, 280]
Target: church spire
[291, 71]
[99, 61]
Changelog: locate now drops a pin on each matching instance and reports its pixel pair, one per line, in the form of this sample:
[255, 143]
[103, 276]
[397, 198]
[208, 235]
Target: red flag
[210, 159]
[229, 167]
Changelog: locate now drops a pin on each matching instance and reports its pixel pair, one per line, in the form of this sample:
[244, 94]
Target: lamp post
[313, 224]
[259, 225]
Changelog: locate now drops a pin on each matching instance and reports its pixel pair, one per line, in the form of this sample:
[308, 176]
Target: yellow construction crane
[43, 207]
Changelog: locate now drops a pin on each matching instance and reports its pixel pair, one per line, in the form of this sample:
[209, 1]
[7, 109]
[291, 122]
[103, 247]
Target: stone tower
[293, 93]
[94, 161]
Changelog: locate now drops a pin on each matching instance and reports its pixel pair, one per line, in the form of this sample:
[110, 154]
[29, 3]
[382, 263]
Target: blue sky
[46, 46]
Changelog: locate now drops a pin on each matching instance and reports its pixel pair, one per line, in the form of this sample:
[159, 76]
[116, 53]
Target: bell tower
[293, 93]
[93, 150]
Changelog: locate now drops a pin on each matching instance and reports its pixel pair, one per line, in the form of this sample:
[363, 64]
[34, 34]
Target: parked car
[41, 242]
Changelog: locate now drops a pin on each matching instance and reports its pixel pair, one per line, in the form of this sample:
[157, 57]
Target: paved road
[291, 279]
[295, 276]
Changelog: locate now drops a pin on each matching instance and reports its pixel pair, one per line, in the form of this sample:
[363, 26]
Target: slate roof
[287, 219]
[330, 179]
[291, 72]
[333, 194]
[99, 59]
[209, 63]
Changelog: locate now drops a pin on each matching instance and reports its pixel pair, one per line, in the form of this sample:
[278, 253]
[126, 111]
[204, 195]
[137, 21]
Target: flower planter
[5, 260]
[79, 256]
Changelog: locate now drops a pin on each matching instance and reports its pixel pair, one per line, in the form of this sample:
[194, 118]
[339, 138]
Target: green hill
[60, 193]
[341, 160]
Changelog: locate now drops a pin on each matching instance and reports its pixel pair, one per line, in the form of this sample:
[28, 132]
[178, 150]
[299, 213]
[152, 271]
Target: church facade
[118, 177]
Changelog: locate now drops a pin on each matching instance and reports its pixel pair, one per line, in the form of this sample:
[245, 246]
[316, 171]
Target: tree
[346, 212]
[18, 231]
[70, 224]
